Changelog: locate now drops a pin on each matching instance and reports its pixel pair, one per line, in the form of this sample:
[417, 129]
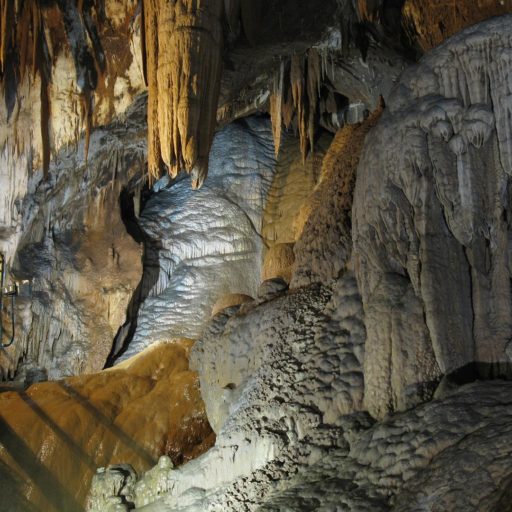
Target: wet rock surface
[54, 435]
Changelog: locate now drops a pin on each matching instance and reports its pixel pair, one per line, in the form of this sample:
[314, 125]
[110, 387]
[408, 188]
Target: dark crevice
[128, 215]
[478, 370]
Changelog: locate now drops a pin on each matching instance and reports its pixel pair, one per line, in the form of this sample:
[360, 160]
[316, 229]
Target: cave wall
[342, 391]
[431, 229]
[83, 265]
[330, 371]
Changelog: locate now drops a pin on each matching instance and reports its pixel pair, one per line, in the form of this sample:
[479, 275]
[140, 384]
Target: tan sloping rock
[278, 262]
[55, 434]
[324, 222]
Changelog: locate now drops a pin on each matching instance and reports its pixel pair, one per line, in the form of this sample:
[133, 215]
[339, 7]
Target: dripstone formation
[264, 250]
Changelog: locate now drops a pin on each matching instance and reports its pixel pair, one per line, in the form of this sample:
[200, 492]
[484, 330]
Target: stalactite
[232, 10]
[287, 106]
[300, 101]
[314, 82]
[150, 59]
[24, 46]
[276, 108]
[297, 78]
[186, 38]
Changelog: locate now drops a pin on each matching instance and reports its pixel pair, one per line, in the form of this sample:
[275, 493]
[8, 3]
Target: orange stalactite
[183, 41]
[24, 49]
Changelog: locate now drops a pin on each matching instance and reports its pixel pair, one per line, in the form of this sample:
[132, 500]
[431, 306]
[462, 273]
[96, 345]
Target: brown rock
[324, 222]
[230, 300]
[54, 435]
[279, 262]
[430, 22]
[184, 46]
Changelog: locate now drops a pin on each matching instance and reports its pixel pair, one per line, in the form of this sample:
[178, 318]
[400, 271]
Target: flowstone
[432, 227]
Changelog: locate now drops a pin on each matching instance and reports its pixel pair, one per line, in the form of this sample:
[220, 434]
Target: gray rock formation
[113, 488]
[451, 454]
[277, 376]
[74, 247]
[204, 244]
[432, 226]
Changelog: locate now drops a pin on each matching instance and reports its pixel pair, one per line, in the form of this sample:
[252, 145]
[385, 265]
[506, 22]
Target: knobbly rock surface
[431, 228]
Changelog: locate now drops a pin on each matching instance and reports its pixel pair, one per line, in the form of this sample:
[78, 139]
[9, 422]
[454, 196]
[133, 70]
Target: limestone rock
[75, 248]
[430, 228]
[271, 287]
[112, 488]
[202, 245]
[291, 186]
[430, 23]
[278, 262]
[396, 465]
[154, 482]
[324, 226]
[229, 301]
[275, 452]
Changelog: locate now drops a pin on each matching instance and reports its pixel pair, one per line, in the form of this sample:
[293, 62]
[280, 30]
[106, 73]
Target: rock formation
[430, 229]
[54, 435]
[325, 324]
[184, 46]
[83, 264]
[297, 384]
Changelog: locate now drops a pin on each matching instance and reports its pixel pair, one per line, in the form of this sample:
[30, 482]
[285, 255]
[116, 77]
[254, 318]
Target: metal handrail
[2, 280]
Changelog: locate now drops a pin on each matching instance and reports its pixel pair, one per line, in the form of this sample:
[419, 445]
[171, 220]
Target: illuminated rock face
[207, 243]
[75, 248]
[431, 229]
[42, 115]
[184, 42]
[54, 435]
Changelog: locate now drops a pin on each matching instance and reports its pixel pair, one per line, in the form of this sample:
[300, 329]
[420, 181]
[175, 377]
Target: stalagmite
[184, 44]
